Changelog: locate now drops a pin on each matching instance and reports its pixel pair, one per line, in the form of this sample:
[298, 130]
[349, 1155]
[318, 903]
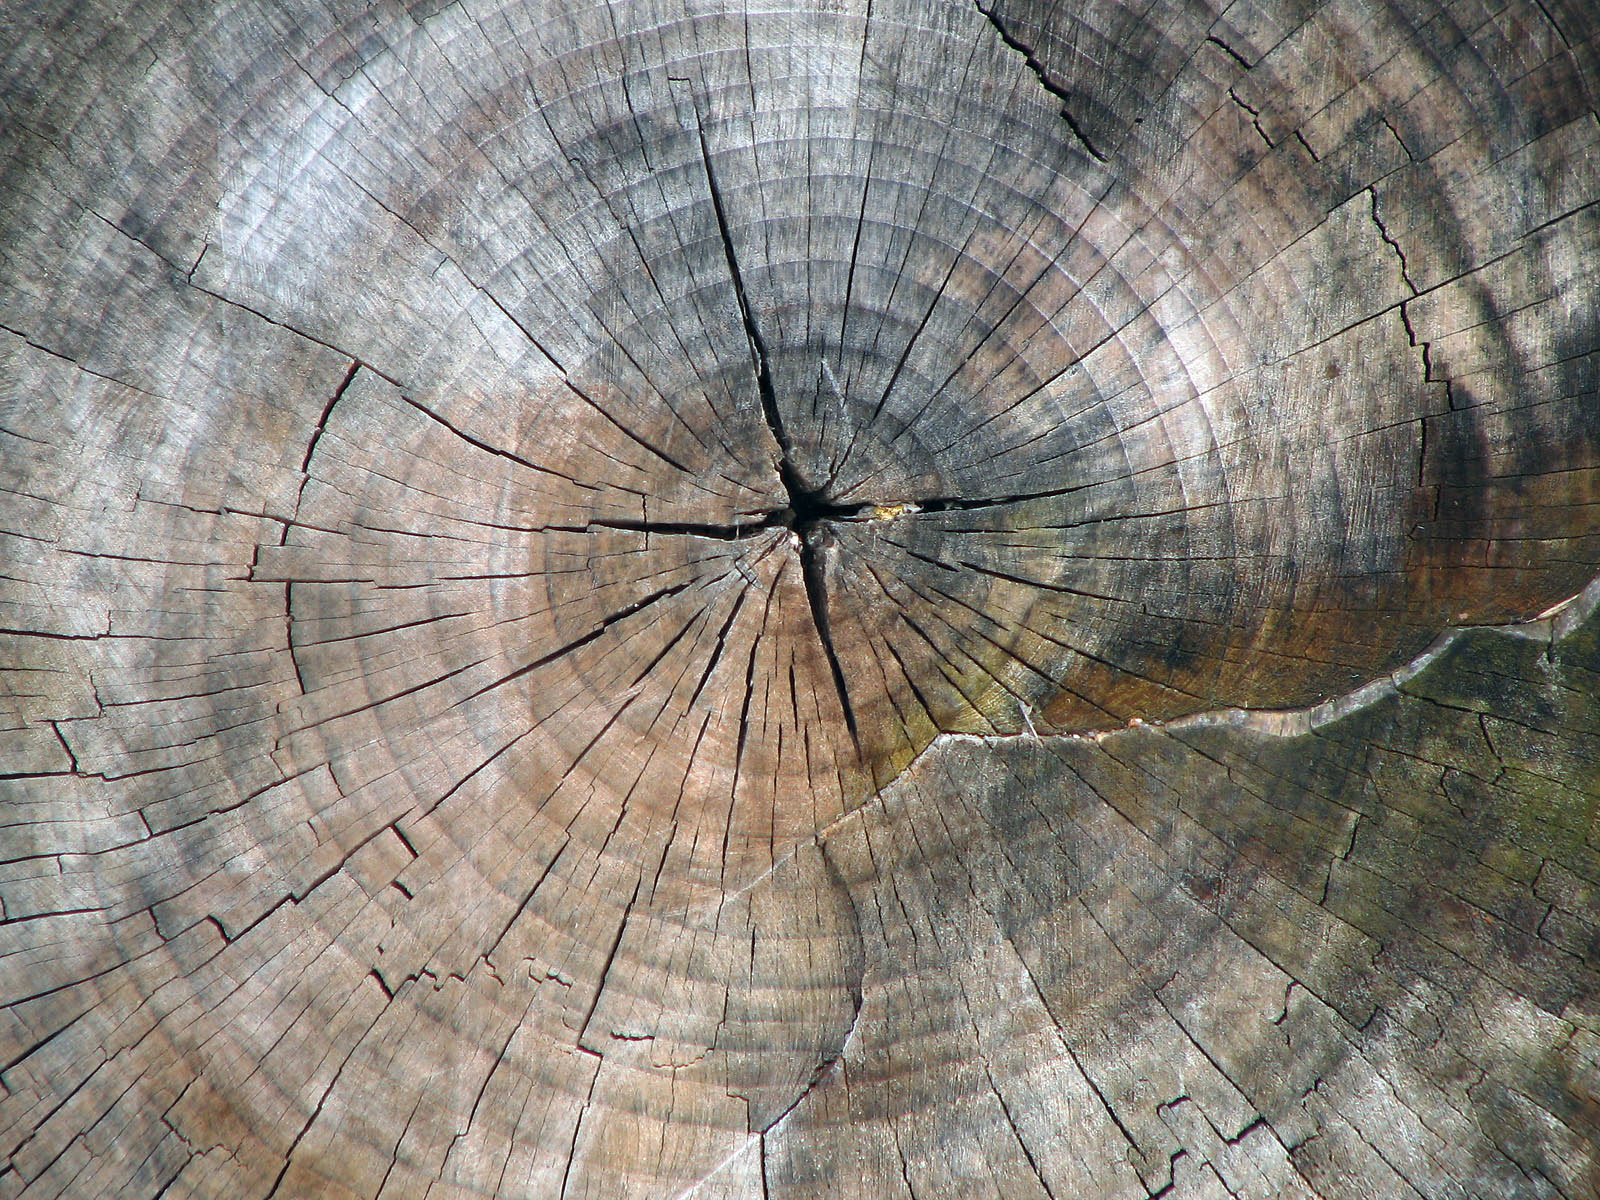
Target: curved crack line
[1552, 625]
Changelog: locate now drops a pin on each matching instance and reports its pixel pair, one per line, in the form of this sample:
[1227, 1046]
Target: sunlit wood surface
[894, 600]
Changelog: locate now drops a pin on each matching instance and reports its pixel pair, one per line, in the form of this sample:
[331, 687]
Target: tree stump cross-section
[891, 598]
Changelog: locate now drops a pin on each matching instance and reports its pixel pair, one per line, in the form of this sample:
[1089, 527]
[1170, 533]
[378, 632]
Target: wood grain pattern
[877, 599]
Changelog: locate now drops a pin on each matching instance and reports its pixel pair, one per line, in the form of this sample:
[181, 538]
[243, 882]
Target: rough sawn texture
[897, 599]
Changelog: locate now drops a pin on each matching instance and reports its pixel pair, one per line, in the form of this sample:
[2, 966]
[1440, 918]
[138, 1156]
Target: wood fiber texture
[883, 600]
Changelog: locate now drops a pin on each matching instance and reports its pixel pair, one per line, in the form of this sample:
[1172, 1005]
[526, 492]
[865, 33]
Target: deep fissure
[807, 512]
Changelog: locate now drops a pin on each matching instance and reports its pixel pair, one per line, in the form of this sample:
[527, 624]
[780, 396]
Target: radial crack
[1424, 347]
[611, 958]
[814, 571]
[805, 507]
[965, 504]
[752, 332]
[1043, 76]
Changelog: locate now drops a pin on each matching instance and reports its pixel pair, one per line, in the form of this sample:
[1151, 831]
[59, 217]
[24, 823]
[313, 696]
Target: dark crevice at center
[807, 511]
[807, 508]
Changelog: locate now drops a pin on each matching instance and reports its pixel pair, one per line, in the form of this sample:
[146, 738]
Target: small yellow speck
[888, 512]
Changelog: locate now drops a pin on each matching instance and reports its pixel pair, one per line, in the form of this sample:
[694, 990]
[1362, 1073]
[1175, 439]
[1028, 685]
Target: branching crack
[807, 511]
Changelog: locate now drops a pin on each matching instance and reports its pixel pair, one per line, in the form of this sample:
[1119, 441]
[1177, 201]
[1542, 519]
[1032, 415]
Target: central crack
[808, 511]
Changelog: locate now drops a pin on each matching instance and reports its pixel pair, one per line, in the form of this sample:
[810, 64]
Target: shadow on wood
[869, 600]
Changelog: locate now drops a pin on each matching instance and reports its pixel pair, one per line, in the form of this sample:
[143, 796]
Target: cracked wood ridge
[896, 599]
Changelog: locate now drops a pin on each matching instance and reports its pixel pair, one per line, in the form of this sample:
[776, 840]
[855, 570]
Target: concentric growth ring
[779, 435]
[550, 550]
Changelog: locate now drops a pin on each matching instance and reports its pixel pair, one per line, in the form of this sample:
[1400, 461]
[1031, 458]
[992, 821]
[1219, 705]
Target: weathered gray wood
[650, 600]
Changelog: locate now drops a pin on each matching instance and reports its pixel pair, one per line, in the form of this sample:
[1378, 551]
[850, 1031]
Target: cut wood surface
[891, 599]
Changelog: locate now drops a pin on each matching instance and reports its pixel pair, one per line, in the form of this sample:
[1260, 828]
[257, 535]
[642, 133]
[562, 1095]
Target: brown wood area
[815, 600]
